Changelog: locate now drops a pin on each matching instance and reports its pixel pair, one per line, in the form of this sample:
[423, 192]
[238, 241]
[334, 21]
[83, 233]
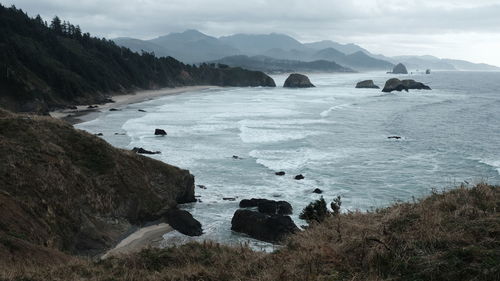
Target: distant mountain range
[284, 52]
[271, 65]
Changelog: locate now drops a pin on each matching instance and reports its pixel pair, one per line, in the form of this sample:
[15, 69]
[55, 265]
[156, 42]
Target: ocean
[334, 135]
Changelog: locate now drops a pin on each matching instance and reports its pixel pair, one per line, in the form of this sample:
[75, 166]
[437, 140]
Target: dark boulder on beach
[399, 69]
[394, 84]
[270, 228]
[299, 177]
[367, 84]
[141, 150]
[160, 132]
[183, 222]
[296, 80]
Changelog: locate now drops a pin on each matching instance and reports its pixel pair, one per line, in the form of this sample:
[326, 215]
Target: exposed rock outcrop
[160, 132]
[299, 177]
[317, 191]
[367, 84]
[394, 84]
[183, 222]
[271, 228]
[400, 69]
[69, 190]
[267, 206]
[296, 80]
[141, 150]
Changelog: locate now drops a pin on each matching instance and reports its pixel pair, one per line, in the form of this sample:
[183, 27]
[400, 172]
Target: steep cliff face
[69, 190]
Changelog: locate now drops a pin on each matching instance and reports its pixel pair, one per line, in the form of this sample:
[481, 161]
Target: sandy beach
[149, 236]
[83, 113]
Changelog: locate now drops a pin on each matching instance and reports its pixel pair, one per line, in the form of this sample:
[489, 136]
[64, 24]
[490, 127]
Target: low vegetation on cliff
[67, 190]
[451, 235]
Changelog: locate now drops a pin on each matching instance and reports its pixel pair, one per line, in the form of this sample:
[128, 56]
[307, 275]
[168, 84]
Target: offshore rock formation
[395, 84]
[399, 69]
[367, 84]
[296, 80]
[270, 228]
[71, 191]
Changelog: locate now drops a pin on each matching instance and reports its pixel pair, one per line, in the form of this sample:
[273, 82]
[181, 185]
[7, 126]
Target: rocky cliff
[68, 190]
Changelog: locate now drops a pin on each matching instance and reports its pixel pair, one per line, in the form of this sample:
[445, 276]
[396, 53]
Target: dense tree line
[45, 65]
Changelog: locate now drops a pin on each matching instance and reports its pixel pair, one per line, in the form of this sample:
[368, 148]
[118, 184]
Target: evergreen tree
[56, 25]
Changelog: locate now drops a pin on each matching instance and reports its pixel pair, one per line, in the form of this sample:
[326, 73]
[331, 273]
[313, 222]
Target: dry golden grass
[452, 235]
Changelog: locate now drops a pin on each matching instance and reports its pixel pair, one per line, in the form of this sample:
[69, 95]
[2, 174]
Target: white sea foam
[280, 129]
[272, 135]
[493, 163]
[327, 112]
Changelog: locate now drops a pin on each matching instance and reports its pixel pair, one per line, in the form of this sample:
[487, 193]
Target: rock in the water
[270, 228]
[114, 109]
[228, 198]
[99, 134]
[284, 208]
[414, 85]
[141, 110]
[394, 84]
[267, 206]
[296, 80]
[183, 222]
[281, 173]
[367, 84]
[428, 71]
[236, 157]
[92, 106]
[317, 191]
[394, 137]
[299, 177]
[160, 132]
[400, 69]
[141, 150]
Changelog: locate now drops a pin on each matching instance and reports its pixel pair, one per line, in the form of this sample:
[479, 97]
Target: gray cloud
[392, 27]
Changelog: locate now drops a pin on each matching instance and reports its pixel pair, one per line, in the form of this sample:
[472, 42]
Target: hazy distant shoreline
[85, 114]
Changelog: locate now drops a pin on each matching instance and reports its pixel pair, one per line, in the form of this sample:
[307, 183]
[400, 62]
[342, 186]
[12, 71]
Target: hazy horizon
[454, 29]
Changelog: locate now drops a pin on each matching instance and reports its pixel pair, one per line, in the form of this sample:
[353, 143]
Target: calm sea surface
[335, 135]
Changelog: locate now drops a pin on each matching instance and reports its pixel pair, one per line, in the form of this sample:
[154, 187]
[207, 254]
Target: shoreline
[84, 114]
[150, 236]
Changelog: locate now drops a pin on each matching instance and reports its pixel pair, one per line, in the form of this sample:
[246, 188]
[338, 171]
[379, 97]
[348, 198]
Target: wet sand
[150, 236]
[83, 113]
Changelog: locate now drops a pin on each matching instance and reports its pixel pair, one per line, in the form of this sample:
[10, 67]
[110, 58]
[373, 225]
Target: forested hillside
[47, 65]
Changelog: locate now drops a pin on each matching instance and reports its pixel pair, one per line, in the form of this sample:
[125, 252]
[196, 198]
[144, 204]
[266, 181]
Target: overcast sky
[461, 29]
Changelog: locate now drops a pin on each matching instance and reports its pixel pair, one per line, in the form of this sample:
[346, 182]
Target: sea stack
[400, 69]
[395, 84]
[368, 84]
[296, 80]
